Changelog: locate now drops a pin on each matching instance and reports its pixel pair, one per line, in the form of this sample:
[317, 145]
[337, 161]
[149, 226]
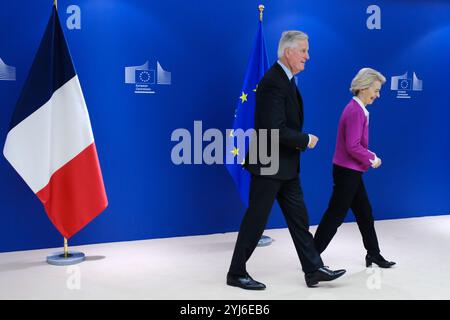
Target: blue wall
[206, 44]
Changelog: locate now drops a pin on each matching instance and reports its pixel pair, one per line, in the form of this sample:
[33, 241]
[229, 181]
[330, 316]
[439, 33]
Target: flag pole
[264, 240]
[66, 249]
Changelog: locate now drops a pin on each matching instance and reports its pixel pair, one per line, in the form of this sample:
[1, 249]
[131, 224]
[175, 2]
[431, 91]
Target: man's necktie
[294, 86]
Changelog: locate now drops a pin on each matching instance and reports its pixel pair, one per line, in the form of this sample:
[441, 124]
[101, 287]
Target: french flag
[50, 141]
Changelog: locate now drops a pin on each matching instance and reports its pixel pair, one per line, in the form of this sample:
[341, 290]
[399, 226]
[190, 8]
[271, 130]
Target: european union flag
[245, 111]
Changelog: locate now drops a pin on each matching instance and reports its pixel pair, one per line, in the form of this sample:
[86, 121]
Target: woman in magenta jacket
[351, 159]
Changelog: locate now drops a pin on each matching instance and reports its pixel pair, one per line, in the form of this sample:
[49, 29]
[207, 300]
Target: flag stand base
[58, 259]
[264, 241]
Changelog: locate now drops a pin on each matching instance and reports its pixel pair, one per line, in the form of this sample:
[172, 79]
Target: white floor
[195, 267]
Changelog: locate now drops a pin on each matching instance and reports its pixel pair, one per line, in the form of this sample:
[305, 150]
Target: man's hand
[312, 141]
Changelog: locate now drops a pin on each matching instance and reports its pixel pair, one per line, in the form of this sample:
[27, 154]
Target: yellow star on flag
[235, 151]
[232, 133]
[243, 97]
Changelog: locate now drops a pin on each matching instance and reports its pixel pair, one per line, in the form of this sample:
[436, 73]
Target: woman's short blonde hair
[364, 79]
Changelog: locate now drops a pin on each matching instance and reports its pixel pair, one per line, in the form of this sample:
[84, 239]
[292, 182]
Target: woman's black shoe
[378, 260]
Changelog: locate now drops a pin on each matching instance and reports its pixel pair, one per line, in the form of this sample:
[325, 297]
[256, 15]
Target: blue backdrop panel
[206, 45]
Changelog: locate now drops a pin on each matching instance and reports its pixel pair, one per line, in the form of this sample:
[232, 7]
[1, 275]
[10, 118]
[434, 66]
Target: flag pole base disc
[264, 241]
[73, 257]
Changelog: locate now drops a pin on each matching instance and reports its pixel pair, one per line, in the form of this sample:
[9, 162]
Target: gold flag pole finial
[66, 251]
[55, 2]
[261, 9]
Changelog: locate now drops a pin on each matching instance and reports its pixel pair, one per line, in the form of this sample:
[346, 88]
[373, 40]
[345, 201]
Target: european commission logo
[145, 78]
[7, 73]
[404, 84]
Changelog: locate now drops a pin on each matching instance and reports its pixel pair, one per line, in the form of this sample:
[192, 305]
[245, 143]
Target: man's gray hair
[290, 39]
[364, 79]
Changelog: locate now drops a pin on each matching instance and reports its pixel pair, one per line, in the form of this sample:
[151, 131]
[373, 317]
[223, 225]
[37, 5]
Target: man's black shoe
[244, 282]
[322, 274]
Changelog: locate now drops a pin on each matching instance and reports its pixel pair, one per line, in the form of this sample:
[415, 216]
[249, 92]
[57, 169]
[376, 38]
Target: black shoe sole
[312, 284]
[369, 264]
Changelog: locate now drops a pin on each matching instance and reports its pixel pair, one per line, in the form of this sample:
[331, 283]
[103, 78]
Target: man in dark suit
[279, 107]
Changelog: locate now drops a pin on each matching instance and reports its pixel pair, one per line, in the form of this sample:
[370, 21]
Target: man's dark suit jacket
[279, 105]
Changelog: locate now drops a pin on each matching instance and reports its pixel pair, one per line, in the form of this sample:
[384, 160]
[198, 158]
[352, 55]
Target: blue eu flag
[245, 111]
